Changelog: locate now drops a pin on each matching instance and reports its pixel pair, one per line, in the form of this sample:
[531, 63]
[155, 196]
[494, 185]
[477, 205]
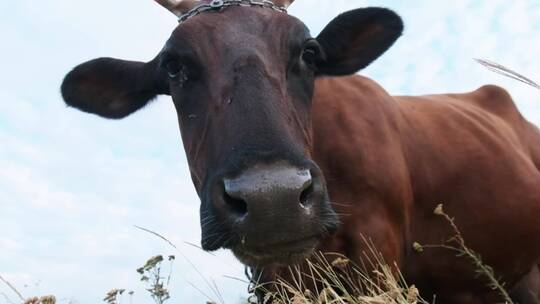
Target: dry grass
[151, 274]
[341, 282]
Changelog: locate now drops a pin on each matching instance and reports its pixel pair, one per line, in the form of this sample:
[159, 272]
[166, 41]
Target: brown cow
[264, 117]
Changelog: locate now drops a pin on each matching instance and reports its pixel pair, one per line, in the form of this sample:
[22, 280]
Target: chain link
[216, 5]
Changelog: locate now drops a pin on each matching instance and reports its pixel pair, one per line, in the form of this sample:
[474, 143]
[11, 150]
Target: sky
[73, 185]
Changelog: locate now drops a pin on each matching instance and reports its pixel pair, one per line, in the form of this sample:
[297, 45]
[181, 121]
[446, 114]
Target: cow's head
[242, 80]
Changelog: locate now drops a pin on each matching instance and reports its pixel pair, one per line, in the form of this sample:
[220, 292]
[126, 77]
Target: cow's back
[472, 152]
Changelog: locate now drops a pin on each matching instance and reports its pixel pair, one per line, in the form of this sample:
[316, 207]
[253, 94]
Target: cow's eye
[177, 71]
[312, 52]
[174, 68]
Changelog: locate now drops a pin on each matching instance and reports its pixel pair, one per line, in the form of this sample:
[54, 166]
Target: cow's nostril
[305, 196]
[237, 206]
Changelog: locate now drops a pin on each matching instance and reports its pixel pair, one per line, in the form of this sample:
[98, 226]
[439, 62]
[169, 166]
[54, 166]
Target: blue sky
[72, 185]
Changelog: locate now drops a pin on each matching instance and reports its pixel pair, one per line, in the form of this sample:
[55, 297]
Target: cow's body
[389, 161]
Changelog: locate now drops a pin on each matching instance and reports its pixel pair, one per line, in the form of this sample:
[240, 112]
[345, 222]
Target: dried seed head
[298, 299]
[34, 300]
[48, 300]
[439, 210]
[412, 294]
[341, 263]
[417, 247]
[372, 300]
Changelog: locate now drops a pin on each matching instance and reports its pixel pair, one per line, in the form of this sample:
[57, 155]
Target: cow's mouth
[284, 253]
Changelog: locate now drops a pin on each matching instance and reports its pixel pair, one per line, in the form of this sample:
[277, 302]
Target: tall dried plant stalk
[502, 70]
[8, 284]
[457, 244]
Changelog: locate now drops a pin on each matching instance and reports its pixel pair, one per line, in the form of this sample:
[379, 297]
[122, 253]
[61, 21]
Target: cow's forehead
[238, 27]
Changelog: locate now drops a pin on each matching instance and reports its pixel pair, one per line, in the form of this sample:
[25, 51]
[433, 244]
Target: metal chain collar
[217, 5]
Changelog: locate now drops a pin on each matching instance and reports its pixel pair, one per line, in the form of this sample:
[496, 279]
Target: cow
[292, 153]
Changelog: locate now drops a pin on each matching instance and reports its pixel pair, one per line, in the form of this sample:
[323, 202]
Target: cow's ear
[113, 88]
[356, 38]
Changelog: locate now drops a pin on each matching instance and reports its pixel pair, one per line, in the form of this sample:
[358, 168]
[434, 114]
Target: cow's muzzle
[278, 212]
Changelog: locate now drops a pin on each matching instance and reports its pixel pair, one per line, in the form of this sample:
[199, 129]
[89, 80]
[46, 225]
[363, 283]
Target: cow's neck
[356, 134]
